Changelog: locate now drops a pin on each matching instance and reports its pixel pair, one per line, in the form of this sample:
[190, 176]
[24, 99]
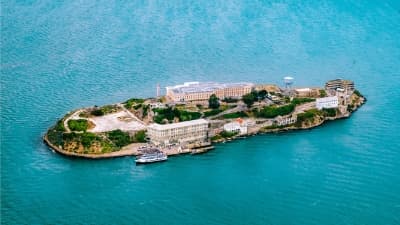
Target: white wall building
[239, 126]
[183, 132]
[327, 102]
[283, 121]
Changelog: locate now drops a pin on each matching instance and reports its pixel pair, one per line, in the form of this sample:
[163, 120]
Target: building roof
[176, 125]
[195, 87]
[325, 99]
[302, 89]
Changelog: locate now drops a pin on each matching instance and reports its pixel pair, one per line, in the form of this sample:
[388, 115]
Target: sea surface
[57, 56]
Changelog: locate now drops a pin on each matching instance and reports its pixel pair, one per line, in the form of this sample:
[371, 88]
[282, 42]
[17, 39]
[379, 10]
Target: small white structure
[327, 102]
[157, 105]
[238, 126]
[283, 121]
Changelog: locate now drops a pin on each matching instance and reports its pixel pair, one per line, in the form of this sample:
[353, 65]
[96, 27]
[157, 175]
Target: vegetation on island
[164, 115]
[133, 102]
[107, 109]
[356, 92]
[83, 142]
[224, 135]
[78, 125]
[235, 115]
[254, 96]
[213, 102]
[322, 93]
[230, 100]
[212, 112]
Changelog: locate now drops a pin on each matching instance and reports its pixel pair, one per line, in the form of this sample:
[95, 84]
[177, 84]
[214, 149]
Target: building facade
[285, 120]
[196, 91]
[344, 85]
[183, 132]
[239, 126]
[306, 92]
[327, 102]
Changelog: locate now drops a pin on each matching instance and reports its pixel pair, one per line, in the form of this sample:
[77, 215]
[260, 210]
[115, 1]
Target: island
[192, 116]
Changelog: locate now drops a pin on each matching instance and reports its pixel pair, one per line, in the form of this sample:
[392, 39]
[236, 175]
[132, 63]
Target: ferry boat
[151, 157]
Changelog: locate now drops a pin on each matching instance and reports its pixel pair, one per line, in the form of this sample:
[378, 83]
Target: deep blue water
[61, 55]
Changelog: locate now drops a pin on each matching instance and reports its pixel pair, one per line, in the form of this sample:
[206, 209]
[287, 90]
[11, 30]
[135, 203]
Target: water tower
[288, 82]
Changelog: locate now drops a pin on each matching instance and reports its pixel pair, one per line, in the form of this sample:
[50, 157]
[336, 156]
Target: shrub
[249, 99]
[273, 111]
[78, 125]
[329, 112]
[212, 112]
[356, 92]
[299, 101]
[119, 138]
[97, 112]
[87, 139]
[227, 134]
[230, 100]
[170, 114]
[145, 110]
[55, 134]
[307, 116]
[186, 115]
[104, 110]
[140, 136]
[136, 107]
[235, 115]
[133, 101]
[322, 93]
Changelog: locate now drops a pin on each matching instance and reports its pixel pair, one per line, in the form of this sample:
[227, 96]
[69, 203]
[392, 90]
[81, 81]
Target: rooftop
[193, 87]
[176, 125]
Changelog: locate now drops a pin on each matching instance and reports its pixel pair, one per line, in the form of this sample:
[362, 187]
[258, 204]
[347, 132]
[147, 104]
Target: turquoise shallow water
[61, 55]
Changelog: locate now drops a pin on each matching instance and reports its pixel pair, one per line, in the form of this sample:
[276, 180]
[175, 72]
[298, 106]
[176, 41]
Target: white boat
[151, 157]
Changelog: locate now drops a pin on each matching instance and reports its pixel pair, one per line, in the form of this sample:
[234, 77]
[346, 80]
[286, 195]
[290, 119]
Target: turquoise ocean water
[61, 55]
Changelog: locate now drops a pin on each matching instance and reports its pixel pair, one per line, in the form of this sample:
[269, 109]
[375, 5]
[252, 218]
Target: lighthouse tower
[158, 90]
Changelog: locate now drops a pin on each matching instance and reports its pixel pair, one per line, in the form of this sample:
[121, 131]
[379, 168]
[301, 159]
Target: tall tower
[288, 82]
[158, 90]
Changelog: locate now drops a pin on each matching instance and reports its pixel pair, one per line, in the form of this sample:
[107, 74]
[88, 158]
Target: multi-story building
[344, 85]
[327, 102]
[183, 132]
[196, 91]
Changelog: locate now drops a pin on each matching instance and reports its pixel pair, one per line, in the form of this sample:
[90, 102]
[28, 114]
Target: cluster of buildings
[197, 91]
[197, 131]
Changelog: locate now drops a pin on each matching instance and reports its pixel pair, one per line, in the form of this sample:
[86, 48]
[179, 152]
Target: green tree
[322, 93]
[262, 94]
[78, 125]
[140, 136]
[249, 99]
[213, 102]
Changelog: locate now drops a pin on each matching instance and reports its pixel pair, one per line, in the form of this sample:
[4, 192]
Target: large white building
[183, 132]
[327, 102]
[196, 91]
